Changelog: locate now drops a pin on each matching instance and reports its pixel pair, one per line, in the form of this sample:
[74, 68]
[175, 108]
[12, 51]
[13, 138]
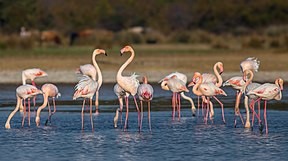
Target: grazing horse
[50, 36]
[82, 33]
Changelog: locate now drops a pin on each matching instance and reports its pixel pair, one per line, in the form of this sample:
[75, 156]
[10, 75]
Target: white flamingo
[183, 78]
[22, 93]
[93, 71]
[145, 93]
[128, 83]
[268, 91]
[49, 90]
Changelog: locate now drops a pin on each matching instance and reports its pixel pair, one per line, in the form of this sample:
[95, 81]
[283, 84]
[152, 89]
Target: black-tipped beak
[121, 54]
[106, 54]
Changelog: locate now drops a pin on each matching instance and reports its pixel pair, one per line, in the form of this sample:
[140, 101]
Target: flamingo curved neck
[249, 80]
[23, 79]
[128, 61]
[99, 81]
[196, 86]
[43, 105]
[19, 102]
[219, 77]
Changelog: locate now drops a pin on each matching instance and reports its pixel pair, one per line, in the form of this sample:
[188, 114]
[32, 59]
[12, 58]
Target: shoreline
[69, 76]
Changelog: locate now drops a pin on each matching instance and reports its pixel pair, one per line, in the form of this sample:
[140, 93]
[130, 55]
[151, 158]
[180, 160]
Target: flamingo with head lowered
[182, 77]
[128, 83]
[22, 93]
[208, 90]
[49, 90]
[268, 91]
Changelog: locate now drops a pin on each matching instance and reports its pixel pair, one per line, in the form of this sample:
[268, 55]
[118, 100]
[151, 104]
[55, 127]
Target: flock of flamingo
[205, 85]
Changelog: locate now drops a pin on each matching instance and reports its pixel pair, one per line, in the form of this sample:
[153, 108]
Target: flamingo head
[192, 83]
[125, 49]
[220, 66]
[41, 73]
[37, 120]
[144, 79]
[164, 85]
[99, 51]
[280, 82]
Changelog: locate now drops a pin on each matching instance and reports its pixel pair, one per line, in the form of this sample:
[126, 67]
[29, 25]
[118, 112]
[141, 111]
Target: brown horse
[50, 36]
[82, 33]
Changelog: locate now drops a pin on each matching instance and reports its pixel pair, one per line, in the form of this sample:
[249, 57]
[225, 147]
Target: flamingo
[247, 88]
[238, 83]
[176, 86]
[268, 91]
[93, 71]
[128, 83]
[120, 93]
[183, 78]
[32, 74]
[86, 88]
[49, 90]
[208, 90]
[145, 93]
[22, 93]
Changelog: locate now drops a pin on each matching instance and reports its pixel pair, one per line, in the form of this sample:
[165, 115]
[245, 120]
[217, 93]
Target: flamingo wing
[86, 87]
[209, 78]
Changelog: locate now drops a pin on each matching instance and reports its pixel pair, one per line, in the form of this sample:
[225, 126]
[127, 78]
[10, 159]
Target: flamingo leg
[198, 105]
[121, 108]
[34, 98]
[222, 107]
[91, 118]
[137, 108]
[253, 111]
[149, 120]
[237, 110]
[179, 107]
[29, 114]
[259, 111]
[82, 115]
[265, 116]
[173, 105]
[49, 109]
[97, 103]
[52, 113]
[207, 110]
[141, 106]
[202, 106]
[127, 110]
[24, 115]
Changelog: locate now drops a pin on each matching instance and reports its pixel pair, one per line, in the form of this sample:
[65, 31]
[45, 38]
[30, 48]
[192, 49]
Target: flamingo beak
[105, 54]
[121, 53]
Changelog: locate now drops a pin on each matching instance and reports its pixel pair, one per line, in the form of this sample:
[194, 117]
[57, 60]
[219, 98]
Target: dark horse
[83, 33]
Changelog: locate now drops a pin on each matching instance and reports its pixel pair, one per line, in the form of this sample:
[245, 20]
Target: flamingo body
[88, 69]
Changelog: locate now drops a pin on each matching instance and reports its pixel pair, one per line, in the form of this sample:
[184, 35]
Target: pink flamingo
[86, 88]
[183, 78]
[120, 93]
[129, 84]
[93, 71]
[247, 88]
[176, 86]
[208, 90]
[32, 74]
[49, 90]
[22, 93]
[145, 93]
[268, 91]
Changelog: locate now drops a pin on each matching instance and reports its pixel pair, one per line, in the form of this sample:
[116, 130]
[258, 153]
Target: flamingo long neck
[128, 61]
[14, 111]
[196, 86]
[219, 77]
[100, 79]
[43, 105]
[23, 79]
[249, 80]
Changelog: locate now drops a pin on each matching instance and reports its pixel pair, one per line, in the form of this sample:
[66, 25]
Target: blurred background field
[167, 36]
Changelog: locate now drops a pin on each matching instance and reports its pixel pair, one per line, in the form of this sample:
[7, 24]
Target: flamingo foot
[96, 113]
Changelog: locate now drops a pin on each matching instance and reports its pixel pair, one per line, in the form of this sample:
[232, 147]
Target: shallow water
[186, 139]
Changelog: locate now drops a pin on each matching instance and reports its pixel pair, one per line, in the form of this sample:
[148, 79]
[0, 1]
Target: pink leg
[137, 108]
[34, 98]
[252, 108]
[24, 115]
[127, 110]
[222, 107]
[265, 116]
[82, 115]
[121, 108]
[207, 110]
[179, 107]
[149, 120]
[198, 105]
[259, 111]
[141, 106]
[91, 119]
[29, 114]
[173, 106]
[253, 113]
